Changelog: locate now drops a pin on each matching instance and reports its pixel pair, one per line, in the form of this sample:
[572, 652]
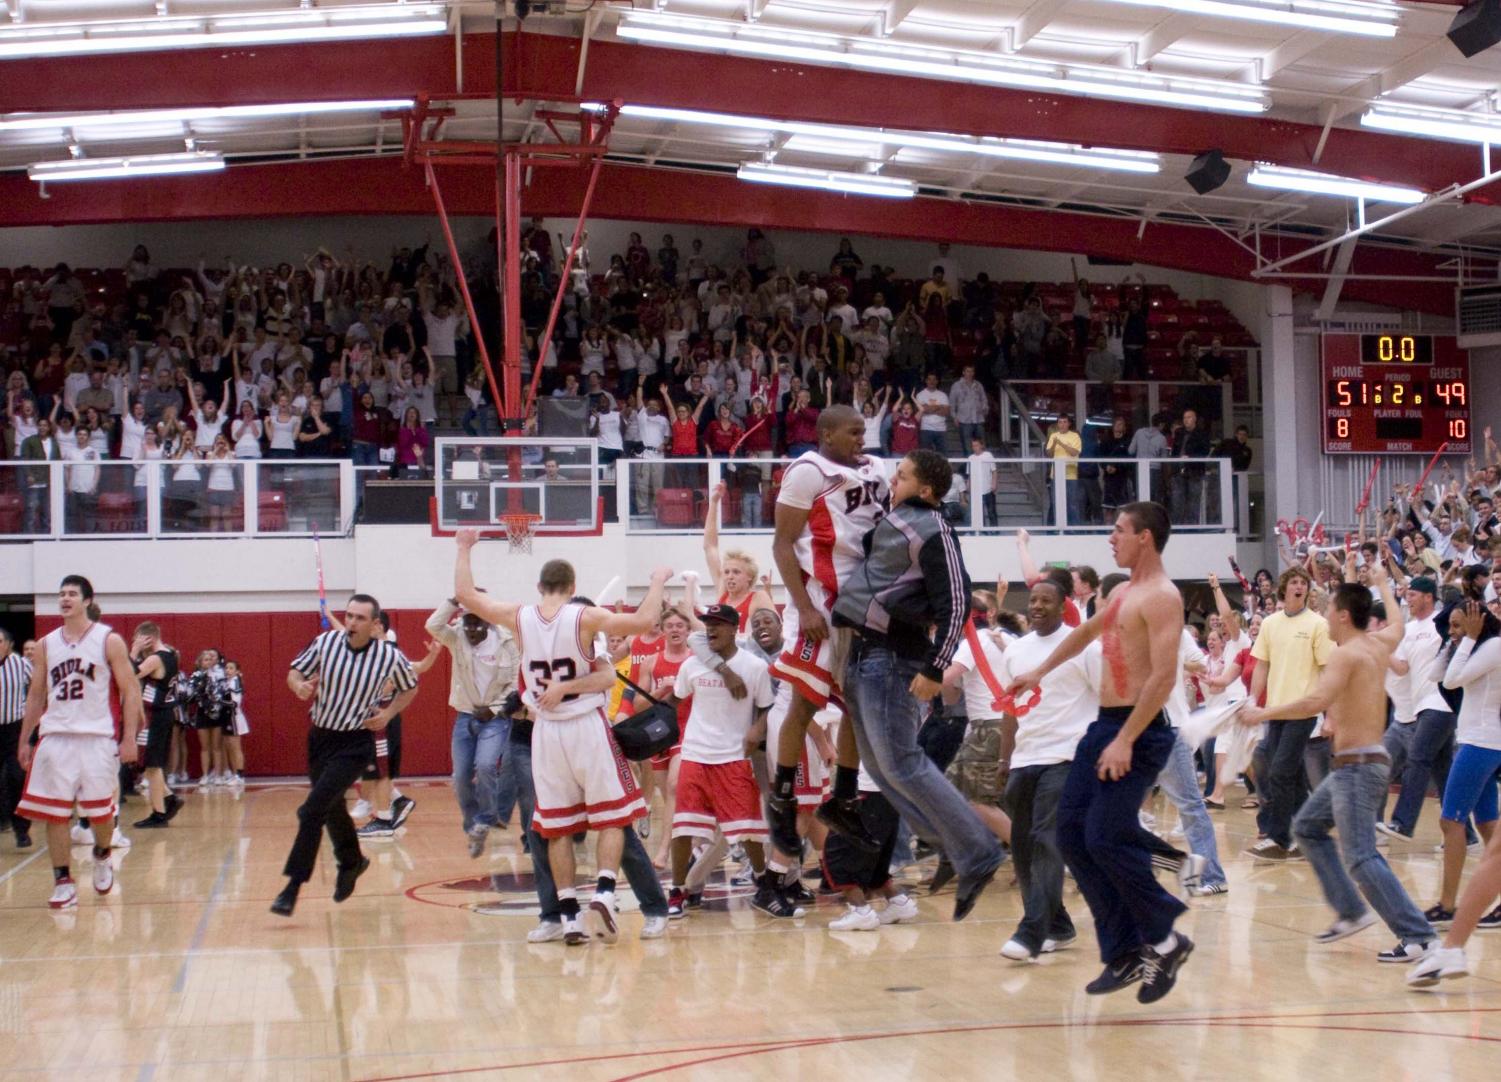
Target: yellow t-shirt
[1296, 649]
[623, 667]
[1066, 445]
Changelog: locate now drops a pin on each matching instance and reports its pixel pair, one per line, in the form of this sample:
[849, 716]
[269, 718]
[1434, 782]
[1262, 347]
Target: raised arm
[1030, 574]
[1392, 633]
[711, 537]
[598, 620]
[502, 613]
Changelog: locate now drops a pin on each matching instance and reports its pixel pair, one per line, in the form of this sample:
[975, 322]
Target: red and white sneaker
[64, 894]
[104, 875]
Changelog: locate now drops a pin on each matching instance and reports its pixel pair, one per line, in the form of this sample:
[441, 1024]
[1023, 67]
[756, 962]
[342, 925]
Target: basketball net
[519, 526]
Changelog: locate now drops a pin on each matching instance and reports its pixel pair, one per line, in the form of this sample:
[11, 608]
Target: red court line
[747, 1048]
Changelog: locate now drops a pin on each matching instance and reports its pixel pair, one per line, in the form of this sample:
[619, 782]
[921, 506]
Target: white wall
[272, 240]
[406, 567]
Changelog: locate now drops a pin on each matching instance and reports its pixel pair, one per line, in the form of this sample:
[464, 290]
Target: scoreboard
[1395, 394]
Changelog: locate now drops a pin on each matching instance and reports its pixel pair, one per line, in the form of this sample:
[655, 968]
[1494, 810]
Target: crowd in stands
[675, 355]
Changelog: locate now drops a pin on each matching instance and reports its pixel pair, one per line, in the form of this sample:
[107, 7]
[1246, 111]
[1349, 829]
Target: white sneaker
[1148, 821]
[119, 841]
[81, 835]
[599, 918]
[208, 781]
[573, 935]
[1191, 872]
[104, 876]
[857, 918]
[546, 931]
[1342, 929]
[1438, 964]
[899, 909]
[1016, 951]
[362, 809]
[654, 928]
[64, 895]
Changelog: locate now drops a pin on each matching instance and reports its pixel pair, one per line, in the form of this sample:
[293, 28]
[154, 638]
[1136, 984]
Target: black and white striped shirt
[15, 678]
[349, 680]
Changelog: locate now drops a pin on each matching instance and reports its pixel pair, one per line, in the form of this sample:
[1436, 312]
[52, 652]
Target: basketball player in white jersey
[582, 779]
[78, 758]
[828, 501]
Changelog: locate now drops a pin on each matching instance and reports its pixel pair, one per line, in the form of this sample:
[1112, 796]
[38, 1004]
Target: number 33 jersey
[554, 649]
[78, 680]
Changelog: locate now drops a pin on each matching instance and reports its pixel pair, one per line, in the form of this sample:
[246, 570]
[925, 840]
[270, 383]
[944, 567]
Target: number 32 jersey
[554, 649]
[78, 680]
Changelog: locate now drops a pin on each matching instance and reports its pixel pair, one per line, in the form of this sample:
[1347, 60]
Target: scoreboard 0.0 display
[1395, 394]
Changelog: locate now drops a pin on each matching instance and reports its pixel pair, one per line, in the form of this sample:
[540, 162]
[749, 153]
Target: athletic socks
[61, 872]
[785, 782]
[568, 904]
[776, 866]
[101, 852]
[1167, 944]
[846, 783]
[605, 884]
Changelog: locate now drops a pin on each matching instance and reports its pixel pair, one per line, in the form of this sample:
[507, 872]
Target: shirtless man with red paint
[1118, 761]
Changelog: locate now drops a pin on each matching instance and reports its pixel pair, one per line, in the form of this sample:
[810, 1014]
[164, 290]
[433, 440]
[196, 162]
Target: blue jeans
[1181, 785]
[1397, 740]
[1349, 799]
[1429, 754]
[886, 719]
[635, 865]
[934, 441]
[477, 747]
[970, 432]
[1100, 838]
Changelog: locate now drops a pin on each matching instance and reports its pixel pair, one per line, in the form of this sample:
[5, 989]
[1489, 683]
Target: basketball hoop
[519, 528]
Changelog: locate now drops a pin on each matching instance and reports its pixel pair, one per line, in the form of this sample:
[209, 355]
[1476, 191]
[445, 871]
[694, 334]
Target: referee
[15, 676]
[343, 672]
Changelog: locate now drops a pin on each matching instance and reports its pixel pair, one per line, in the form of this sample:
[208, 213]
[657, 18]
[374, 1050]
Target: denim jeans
[1032, 794]
[886, 719]
[1181, 785]
[1397, 741]
[635, 865]
[1100, 838]
[1349, 800]
[1429, 754]
[934, 440]
[477, 747]
[969, 432]
[1286, 777]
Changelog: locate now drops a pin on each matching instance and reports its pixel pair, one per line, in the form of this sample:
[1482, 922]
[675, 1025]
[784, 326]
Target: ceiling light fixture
[829, 181]
[130, 118]
[906, 58]
[33, 40]
[1435, 123]
[1302, 180]
[145, 165]
[1376, 20]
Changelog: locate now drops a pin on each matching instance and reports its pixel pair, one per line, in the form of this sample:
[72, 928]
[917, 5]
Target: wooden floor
[182, 974]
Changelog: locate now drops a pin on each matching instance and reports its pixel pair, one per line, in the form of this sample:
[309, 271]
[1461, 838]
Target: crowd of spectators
[674, 356]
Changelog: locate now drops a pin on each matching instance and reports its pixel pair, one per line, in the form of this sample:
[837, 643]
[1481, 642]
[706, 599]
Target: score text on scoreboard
[1395, 394]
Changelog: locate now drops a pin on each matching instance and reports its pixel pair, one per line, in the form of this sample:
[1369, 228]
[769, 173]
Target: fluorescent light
[858, 141]
[44, 121]
[904, 58]
[209, 31]
[1375, 20]
[1435, 123]
[1301, 180]
[145, 165]
[829, 181]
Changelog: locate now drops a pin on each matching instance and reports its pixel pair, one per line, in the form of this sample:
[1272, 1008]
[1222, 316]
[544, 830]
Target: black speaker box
[1208, 171]
[1477, 27]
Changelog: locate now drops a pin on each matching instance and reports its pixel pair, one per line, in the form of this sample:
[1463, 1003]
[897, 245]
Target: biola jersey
[843, 503]
[554, 649]
[78, 679]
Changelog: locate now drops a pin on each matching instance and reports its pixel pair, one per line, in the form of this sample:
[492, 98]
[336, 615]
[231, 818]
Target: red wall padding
[264, 643]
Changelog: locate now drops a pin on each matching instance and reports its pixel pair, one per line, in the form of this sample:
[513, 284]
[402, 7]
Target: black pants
[159, 739]
[1032, 794]
[1286, 784]
[335, 762]
[12, 777]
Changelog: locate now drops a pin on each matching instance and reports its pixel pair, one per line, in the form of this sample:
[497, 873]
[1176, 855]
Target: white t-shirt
[717, 722]
[982, 470]
[1476, 669]
[1178, 707]
[608, 430]
[977, 694]
[207, 431]
[1423, 645]
[655, 430]
[1050, 731]
[932, 422]
[1399, 688]
[132, 437]
[283, 433]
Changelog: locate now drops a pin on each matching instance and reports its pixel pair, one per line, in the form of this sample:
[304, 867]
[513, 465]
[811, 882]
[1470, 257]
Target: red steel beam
[458, 274]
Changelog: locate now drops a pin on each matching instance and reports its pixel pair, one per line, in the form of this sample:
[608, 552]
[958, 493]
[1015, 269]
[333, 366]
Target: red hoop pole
[458, 275]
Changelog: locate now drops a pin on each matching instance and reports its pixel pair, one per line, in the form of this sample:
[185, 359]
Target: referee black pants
[12, 777]
[336, 760]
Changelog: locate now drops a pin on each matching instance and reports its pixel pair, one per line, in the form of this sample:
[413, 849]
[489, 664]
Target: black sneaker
[1440, 917]
[1488, 923]
[694, 901]
[774, 903]
[675, 905]
[173, 805]
[781, 821]
[154, 821]
[798, 894]
[1116, 975]
[942, 876]
[843, 817]
[286, 901]
[968, 891]
[1159, 972]
[344, 881]
[401, 807]
[23, 839]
